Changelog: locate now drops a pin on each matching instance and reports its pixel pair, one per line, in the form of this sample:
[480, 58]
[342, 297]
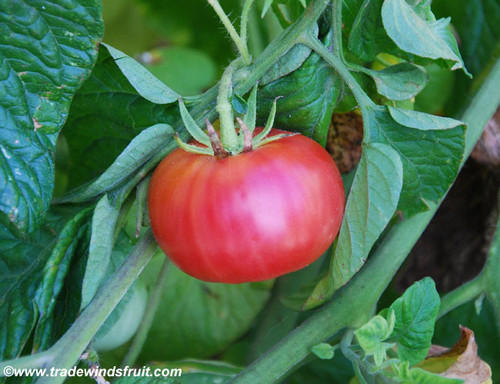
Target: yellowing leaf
[459, 362]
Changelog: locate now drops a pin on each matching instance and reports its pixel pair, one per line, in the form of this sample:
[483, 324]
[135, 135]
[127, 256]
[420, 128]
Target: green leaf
[371, 336]
[423, 152]
[288, 63]
[147, 85]
[30, 279]
[419, 376]
[47, 49]
[421, 120]
[225, 312]
[308, 98]
[416, 313]
[239, 104]
[417, 36]
[399, 82]
[101, 244]
[53, 276]
[324, 351]
[366, 28]
[370, 206]
[106, 115]
[129, 161]
[477, 24]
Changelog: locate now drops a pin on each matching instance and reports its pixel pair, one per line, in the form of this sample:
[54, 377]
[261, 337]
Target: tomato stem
[238, 41]
[228, 133]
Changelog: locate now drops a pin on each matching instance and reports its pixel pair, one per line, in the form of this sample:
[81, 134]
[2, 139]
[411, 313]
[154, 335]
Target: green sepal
[251, 115]
[257, 140]
[193, 128]
[193, 148]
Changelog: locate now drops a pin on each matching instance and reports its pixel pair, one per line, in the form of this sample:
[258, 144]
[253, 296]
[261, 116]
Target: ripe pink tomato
[248, 217]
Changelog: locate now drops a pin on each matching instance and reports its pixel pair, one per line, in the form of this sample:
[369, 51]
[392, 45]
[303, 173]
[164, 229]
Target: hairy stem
[336, 62]
[228, 133]
[244, 21]
[147, 320]
[240, 43]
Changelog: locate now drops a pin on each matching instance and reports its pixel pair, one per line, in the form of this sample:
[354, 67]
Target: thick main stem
[147, 320]
[66, 352]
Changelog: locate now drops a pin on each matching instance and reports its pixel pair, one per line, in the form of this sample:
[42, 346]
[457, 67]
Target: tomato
[248, 217]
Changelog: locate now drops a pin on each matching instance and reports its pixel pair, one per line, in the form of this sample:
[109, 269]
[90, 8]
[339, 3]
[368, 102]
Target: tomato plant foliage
[84, 124]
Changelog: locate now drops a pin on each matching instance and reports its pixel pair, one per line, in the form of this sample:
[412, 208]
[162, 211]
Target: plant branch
[336, 62]
[240, 43]
[66, 352]
[461, 295]
[244, 21]
[147, 319]
[228, 134]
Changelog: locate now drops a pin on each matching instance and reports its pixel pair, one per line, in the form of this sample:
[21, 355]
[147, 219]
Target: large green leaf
[308, 96]
[129, 161]
[106, 115]
[367, 29]
[372, 202]
[198, 319]
[31, 277]
[431, 149]
[413, 34]
[101, 245]
[47, 49]
[477, 23]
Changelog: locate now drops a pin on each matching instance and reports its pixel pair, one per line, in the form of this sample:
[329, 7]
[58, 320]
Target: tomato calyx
[230, 141]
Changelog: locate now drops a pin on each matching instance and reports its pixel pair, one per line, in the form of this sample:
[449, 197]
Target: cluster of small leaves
[393, 341]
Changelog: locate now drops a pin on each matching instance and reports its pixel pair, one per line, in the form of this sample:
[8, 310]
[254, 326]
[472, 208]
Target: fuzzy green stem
[228, 134]
[461, 295]
[240, 43]
[147, 320]
[67, 351]
[244, 21]
[337, 28]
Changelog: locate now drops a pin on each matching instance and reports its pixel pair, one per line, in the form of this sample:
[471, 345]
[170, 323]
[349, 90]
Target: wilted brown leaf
[459, 362]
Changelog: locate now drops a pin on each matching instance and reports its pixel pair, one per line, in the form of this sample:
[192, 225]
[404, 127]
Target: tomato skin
[249, 217]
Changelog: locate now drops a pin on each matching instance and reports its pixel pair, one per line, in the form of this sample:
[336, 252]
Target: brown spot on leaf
[36, 124]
